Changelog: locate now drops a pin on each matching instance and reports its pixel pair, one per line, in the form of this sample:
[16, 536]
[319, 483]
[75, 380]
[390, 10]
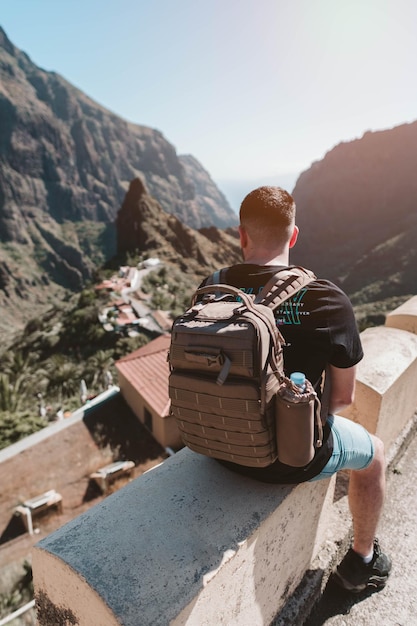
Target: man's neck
[267, 259]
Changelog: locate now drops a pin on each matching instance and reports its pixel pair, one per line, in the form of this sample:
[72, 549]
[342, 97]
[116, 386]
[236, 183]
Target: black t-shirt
[319, 328]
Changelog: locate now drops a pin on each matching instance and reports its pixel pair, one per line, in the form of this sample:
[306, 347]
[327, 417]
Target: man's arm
[342, 387]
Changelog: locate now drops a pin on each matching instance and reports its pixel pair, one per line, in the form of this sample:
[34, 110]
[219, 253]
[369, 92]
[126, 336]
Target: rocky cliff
[63, 153]
[65, 166]
[356, 209]
[213, 207]
[143, 226]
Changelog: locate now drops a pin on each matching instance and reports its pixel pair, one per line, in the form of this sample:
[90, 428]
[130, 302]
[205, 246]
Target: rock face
[142, 225]
[213, 206]
[65, 166]
[357, 214]
[70, 157]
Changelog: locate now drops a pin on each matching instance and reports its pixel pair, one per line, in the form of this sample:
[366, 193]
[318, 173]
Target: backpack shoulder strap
[217, 277]
[283, 285]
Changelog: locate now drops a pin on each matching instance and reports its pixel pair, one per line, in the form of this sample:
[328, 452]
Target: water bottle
[299, 379]
[295, 422]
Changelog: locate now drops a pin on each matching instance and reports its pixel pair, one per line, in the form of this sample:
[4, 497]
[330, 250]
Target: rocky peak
[6, 43]
[143, 226]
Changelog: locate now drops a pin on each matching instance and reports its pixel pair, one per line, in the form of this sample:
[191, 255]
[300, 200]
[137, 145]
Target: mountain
[65, 166]
[356, 209]
[213, 208]
[82, 157]
[142, 225]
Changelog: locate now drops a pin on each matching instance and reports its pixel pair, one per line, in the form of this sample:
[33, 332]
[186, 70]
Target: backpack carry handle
[226, 289]
[279, 288]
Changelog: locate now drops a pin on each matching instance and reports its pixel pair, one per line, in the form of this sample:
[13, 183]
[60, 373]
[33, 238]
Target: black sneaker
[355, 575]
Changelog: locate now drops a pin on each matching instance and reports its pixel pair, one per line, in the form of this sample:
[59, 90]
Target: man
[321, 334]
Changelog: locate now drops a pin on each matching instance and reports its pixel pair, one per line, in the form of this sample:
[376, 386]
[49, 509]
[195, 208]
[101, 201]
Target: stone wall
[62, 456]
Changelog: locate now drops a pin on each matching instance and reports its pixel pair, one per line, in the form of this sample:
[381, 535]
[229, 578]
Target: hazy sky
[253, 89]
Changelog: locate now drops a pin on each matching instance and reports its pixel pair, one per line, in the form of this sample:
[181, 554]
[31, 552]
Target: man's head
[267, 221]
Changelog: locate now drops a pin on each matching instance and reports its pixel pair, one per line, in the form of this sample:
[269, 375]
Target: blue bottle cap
[298, 378]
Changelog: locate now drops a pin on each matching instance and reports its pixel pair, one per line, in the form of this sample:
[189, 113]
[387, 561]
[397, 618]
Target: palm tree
[20, 379]
[64, 377]
[97, 365]
[8, 400]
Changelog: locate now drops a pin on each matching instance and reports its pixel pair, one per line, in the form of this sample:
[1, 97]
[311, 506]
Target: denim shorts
[353, 447]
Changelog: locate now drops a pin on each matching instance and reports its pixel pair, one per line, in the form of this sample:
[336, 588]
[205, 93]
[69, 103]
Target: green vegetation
[16, 426]
[21, 593]
[93, 238]
[370, 314]
[41, 372]
[14, 251]
[171, 290]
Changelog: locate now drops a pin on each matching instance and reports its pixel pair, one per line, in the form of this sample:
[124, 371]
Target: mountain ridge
[66, 163]
[356, 209]
[60, 153]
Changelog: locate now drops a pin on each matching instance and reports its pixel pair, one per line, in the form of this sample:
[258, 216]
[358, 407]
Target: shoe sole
[376, 582]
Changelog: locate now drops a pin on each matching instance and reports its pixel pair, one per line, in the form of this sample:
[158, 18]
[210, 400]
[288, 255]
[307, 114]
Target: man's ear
[243, 237]
[294, 237]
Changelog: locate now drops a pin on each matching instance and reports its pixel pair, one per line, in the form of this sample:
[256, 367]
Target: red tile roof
[147, 371]
[163, 319]
[125, 317]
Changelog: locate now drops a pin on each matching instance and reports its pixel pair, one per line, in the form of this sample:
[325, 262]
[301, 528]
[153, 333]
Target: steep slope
[215, 209]
[143, 226]
[64, 153]
[65, 166]
[357, 213]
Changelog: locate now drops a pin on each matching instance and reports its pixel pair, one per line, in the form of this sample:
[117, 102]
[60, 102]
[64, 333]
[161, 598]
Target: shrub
[16, 426]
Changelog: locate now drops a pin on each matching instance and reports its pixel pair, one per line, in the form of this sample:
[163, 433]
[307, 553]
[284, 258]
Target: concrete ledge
[404, 317]
[386, 390]
[186, 543]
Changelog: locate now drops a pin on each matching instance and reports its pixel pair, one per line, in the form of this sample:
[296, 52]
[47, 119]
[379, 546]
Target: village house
[143, 382]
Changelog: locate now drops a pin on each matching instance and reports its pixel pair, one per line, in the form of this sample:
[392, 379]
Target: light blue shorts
[353, 447]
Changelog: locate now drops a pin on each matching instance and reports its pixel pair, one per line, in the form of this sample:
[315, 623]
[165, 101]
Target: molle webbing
[226, 367]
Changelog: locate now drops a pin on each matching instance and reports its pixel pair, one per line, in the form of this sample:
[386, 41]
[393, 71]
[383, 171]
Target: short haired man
[321, 334]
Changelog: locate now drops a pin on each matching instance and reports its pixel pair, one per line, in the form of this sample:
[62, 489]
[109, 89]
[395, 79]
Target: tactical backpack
[229, 395]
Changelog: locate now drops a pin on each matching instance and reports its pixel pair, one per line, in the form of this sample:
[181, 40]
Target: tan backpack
[229, 395]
